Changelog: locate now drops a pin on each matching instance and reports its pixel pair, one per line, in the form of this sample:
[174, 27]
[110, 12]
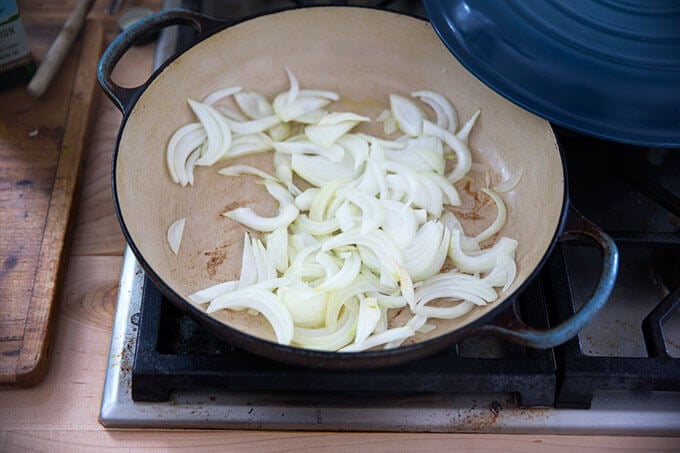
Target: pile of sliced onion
[369, 230]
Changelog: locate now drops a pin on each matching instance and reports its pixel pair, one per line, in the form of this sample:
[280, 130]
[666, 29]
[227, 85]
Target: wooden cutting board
[42, 145]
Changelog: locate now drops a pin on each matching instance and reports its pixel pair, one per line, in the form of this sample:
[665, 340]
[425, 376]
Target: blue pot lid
[607, 68]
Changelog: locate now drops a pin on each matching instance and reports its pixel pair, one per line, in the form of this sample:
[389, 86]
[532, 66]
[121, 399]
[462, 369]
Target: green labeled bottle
[16, 61]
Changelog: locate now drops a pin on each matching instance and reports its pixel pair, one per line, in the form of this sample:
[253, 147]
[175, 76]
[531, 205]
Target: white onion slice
[369, 315]
[253, 126]
[216, 129]
[456, 311]
[213, 292]
[331, 337]
[325, 135]
[190, 165]
[277, 248]
[447, 117]
[248, 264]
[176, 158]
[499, 221]
[306, 307]
[175, 232]
[390, 335]
[463, 156]
[253, 104]
[425, 255]
[485, 260]
[464, 133]
[407, 114]
[344, 277]
[287, 211]
[240, 170]
[510, 183]
[262, 301]
[221, 94]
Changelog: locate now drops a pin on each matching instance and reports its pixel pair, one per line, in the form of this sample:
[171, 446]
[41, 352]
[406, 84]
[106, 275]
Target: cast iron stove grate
[174, 353]
[634, 195]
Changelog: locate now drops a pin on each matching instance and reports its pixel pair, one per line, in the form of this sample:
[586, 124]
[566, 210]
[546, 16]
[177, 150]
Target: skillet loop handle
[123, 97]
[511, 328]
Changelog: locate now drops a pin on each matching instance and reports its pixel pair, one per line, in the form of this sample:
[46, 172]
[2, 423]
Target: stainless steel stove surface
[621, 375]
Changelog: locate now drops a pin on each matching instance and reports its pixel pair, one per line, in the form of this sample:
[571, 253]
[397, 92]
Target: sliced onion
[277, 248]
[421, 154]
[463, 156]
[190, 164]
[485, 260]
[244, 145]
[325, 135]
[454, 286]
[294, 103]
[253, 104]
[464, 133]
[425, 255]
[262, 301]
[316, 227]
[240, 170]
[332, 153]
[447, 118]
[216, 129]
[287, 211]
[499, 221]
[344, 277]
[180, 146]
[221, 94]
[510, 183]
[417, 324]
[451, 312]
[248, 273]
[213, 292]
[369, 315]
[284, 171]
[390, 335]
[503, 273]
[400, 222]
[175, 233]
[306, 306]
[407, 114]
[253, 126]
[331, 337]
[370, 235]
[319, 170]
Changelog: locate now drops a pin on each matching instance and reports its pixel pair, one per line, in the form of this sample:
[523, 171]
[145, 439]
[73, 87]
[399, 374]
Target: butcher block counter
[54, 405]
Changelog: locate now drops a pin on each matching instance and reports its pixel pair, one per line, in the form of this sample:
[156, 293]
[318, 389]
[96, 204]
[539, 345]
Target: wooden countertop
[60, 413]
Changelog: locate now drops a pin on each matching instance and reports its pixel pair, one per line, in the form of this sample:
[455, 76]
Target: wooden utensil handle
[55, 55]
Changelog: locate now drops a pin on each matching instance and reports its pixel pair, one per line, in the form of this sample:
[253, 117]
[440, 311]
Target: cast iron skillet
[363, 54]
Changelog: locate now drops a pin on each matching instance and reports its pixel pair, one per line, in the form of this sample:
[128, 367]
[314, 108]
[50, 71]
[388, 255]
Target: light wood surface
[60, 413]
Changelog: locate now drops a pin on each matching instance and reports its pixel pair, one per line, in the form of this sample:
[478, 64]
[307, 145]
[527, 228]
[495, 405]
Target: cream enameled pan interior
[363, 55]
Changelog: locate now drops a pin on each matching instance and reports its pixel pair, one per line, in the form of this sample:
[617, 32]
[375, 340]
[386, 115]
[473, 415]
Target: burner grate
[582, 375]
[173, 353]
[640, 210]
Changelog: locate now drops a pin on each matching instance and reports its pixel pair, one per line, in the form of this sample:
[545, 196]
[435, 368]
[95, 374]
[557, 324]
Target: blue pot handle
[124, 98]
[510, 327]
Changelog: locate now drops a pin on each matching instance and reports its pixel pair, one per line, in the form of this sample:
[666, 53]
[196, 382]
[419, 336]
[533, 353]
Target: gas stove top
[620, 375]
